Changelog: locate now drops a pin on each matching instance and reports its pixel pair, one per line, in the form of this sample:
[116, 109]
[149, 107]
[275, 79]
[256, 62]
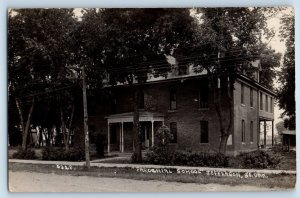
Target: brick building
[184, 105]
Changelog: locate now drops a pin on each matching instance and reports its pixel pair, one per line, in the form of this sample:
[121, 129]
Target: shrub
[59, 154]
[24, 154]
[200, 159]
[167, 157]
[260, 159]
[159, 155]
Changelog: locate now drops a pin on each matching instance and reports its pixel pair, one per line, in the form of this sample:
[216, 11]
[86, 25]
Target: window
[203, 95]
[251, 97]
[267, 103]
[271, 104]
[251, 131]
[203, 131]
[242, 93]
[173, 99]
[243, 131]
[261, 101]
[173, 131]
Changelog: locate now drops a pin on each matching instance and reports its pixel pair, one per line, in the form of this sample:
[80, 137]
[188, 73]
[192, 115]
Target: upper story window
[243, 131]
[242, 93]
[251, 97]
[173, 131]
[261, 101]
[251, 131]
[203, 95]
[271, 104]
[173, 99]
[203, 131]
[267, 103]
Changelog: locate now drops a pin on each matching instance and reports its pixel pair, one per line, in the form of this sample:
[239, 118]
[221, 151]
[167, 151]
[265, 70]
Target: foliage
[286, 92]
[60, 154]
[159, 155]
[164, 136]
[25, 154]
[38, 52]
[280, 127]
[260, 159]
[167, 157]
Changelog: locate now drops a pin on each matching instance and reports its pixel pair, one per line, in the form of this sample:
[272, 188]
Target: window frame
[261, 102]
[203, 95]
[251, 97]
[242, 94]
[243, 132]
[173, 91]
[267, 103]
[252, 131]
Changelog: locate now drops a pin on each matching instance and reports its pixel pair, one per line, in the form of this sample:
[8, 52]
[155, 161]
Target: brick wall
[187, 115]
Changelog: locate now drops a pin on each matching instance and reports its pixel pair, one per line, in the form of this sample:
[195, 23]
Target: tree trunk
[69, 129]
[63, 128]
[25, 132]
[20, 116]
[228, 99]
[137, 155]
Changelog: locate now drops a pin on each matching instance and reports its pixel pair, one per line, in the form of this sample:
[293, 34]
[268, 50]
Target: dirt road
[41, 182]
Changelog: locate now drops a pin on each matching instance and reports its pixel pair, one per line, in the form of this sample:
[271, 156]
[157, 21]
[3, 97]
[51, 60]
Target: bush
[60, 154]
[159, 155]
[24, 154]
[167, 157]
[260, 159]
[200, 159]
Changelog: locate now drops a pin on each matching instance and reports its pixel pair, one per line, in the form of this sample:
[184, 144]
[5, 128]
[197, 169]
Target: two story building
[184, 105]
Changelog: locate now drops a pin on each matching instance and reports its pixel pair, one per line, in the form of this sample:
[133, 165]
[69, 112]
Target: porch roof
[128, 117]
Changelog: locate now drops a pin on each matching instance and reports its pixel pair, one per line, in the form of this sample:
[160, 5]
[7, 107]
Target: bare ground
[40, 182]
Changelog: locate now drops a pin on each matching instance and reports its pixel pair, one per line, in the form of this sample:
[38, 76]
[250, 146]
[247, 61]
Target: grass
[281, 180]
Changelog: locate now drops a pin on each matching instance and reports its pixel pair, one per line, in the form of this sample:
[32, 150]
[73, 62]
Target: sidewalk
[98, 163]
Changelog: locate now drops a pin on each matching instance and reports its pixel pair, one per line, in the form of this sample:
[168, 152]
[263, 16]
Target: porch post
[122, 134]
[152, 133]
[272, 133]
[265, 133]
[108, 137]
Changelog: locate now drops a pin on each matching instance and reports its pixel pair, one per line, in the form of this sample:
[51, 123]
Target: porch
[266, 125]
[119, 130]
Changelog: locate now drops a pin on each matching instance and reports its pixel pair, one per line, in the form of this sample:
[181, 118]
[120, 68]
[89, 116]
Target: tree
[37, 56]
[129, 44]
[227, 42]
[286, 92]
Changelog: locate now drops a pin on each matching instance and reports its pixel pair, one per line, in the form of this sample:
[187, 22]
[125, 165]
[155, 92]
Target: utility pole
[85, 117]
[85, 121]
